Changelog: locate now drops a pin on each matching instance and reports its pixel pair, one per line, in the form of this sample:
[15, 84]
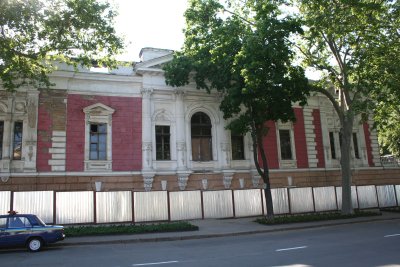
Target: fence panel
[247, 202]
[74, 207]
[353, 197]
[280, 201]
[113, 206]
[367, 197]
[397, 187]
[5, 201]
[325, 198]
[386, 196]
[185, 205]
[301, 200]
[217, 204]
[150, 206]
[40, 203]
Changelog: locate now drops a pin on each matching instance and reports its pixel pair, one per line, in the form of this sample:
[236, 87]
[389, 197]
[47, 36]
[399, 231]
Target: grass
[282, 219]
[394, 209]
[129, 229]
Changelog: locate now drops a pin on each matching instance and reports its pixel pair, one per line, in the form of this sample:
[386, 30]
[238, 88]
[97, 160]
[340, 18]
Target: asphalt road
[364, 244]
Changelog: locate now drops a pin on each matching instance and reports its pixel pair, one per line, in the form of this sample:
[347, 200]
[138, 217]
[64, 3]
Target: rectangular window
[17, 140]
[1, 138]
[98, 142]
[355, 145]
[332, 142]
[163, 143]
[237, 147]
[286, 146]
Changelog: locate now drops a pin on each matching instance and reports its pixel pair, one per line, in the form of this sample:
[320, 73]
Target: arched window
[201, 137]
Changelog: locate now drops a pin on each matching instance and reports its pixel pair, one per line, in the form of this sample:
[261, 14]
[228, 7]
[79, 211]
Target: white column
[180, 131]
[146, 129]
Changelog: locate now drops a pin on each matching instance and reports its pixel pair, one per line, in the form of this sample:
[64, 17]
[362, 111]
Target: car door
[18, 230]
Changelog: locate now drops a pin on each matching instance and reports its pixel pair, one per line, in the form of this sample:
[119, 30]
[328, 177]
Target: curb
[204, 236]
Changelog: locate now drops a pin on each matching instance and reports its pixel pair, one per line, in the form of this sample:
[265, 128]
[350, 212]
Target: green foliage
[35, 33]
[348, 41]
[314, 217]
[242, 50]
[129, 229]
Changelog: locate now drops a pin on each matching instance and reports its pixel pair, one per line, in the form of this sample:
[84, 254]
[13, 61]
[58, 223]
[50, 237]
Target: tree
[36, 33]
[387, 70]
[345, 40]
[244, 53]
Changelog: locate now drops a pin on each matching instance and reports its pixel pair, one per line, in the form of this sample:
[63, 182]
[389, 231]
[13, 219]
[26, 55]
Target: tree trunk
[345, 162]
[264, 172]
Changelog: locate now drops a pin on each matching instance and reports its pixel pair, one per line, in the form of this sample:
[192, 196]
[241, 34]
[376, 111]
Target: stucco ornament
[182, 181]
[148, 183]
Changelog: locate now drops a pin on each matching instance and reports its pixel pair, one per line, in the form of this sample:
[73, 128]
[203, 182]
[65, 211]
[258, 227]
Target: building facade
[128, 130]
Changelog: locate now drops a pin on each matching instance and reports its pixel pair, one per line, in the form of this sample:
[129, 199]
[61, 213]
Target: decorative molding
[227, 180]
[182, 181]
[148, 182]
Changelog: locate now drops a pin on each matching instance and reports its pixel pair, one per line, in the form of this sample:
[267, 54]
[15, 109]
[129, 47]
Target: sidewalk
[218, 228]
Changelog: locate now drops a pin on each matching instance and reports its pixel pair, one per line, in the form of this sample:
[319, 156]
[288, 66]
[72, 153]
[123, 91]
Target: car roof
[17, 215]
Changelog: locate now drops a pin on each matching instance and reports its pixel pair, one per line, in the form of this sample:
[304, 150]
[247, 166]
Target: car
[28, 230]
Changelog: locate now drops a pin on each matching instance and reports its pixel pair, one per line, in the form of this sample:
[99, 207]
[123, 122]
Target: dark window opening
[286, 146]
[1, 138]
[163, 143]
[17, 140]
[332, 142]
[355, 145]
[98, 142]
[237, 147]
[201, 137]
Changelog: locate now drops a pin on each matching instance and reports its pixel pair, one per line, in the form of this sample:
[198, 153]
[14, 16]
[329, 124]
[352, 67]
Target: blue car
[28, 230]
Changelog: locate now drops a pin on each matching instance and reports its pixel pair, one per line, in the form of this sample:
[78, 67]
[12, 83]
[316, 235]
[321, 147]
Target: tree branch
[329, 96]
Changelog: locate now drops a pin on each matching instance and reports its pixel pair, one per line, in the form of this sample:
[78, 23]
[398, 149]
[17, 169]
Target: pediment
[154, 64]
[98, 109]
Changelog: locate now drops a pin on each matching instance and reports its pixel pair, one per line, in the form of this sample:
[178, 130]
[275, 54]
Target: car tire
[34, 244]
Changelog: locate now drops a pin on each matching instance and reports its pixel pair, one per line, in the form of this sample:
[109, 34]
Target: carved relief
[147, 92]
[148, 182]
[19, 107]
[182, 181]
[32, 113]
[228, 181]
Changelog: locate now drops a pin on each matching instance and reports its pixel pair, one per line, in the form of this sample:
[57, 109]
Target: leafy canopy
[35, 33]
[242, 50]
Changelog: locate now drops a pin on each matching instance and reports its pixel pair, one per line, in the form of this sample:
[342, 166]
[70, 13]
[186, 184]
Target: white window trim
[286, 163]
[98, 113]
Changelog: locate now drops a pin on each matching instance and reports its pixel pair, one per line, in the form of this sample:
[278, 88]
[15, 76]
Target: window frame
[163, 136]
[1, 138]
[98, 114]
[19, 143]
[242, 152]
[286, 163]
[204, 136]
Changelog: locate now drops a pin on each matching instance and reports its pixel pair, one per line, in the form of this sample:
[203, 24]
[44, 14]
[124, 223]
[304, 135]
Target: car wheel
[35, 244]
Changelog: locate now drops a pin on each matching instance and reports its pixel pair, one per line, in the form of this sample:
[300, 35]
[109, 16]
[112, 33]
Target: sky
[150, 23]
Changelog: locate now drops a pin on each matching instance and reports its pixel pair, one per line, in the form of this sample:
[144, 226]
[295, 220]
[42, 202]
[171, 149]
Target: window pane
[332, 142]
[94, 138]
[162, 142]
[93, 155]
[102, 155]
[201, 137]
[286, 147]
[103, 138]
[102, 128]
[355, 145]
[1, 138]
[237, 147]
[98, 142]
[93, 128]
[17, 142]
